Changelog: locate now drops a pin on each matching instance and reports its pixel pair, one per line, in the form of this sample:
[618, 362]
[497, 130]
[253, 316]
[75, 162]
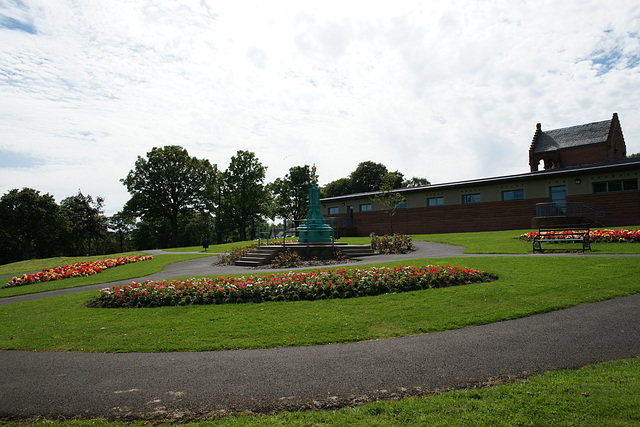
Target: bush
[286, 259]
[396, 244]
[235, 254]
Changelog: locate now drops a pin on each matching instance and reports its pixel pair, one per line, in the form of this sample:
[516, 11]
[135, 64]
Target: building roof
[571, 137]
[612, 165]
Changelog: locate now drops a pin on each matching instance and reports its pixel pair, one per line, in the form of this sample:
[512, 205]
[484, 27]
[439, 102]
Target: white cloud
[446, 92]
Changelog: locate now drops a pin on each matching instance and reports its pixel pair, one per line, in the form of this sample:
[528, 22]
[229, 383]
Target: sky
[447, 91]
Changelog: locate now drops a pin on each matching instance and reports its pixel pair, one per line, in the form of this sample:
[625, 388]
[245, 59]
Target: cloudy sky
[442, 90]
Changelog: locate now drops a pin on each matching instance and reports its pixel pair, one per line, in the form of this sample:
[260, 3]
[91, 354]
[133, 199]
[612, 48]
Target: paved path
[165, 385]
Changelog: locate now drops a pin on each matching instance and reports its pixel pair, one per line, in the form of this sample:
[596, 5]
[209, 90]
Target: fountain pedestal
[314, 229]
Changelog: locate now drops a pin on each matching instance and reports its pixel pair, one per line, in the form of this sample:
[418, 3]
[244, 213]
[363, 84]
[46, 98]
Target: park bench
[559, 234]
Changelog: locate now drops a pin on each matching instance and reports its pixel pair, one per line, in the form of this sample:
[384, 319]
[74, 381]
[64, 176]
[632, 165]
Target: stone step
[259, 256]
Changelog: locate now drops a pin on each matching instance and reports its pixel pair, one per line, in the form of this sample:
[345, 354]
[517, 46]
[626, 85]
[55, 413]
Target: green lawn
[507, 242]
[123, 272]
[527, 285]
[39, 264]
[487, 242]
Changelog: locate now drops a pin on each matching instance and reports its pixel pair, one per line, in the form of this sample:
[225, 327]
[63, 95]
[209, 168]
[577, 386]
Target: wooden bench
[558, 234]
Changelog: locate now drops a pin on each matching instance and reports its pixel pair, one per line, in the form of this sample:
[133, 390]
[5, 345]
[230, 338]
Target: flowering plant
[235, 253]
[396, 244]
[292, 286]
[597, 236]
[286, 259]
[80, 269]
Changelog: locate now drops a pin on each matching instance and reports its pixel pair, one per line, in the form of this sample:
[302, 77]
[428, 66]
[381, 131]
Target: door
[349, 216]
[558, 200]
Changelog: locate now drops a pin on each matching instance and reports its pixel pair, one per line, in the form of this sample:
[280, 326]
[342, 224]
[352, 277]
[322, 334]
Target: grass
[39, 264]
[527, 286]
[487, 242]
[595, 395]
[507, 242]
[123, 272]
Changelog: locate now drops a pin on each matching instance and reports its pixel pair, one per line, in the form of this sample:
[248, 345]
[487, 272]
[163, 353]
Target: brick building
[586, 178]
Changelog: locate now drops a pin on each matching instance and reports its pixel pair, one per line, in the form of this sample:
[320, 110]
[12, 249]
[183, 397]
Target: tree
[368, 177]
[86, 222]
[30, 225]
[292, 193]
[339, 187]
[245, 197]
[415, 182]
[122, 226]
[390, 200]
[392, 180]
[170, 182]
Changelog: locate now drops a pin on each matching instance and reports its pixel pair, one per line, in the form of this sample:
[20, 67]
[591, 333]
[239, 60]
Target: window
[615, 185]
[334, 211]
[471, 198]
[435, 201]
[512, 195]
[401, 205]
[365, 208]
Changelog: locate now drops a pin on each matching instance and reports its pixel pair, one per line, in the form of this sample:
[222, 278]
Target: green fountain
[314, 229]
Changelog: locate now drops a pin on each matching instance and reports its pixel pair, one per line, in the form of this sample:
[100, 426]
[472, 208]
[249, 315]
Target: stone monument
[314, 229]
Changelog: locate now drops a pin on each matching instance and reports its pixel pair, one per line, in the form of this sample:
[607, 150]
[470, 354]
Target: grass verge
[595, 395]
[38, 264]
[123, 272]
[507, 242]
[527, 286]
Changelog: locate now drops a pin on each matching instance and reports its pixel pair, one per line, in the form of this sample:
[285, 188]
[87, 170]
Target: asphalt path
[171, 385]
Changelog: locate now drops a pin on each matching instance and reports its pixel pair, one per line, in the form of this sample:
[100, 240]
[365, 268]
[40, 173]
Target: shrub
[396, 244]
[286, 259]
[235, 254]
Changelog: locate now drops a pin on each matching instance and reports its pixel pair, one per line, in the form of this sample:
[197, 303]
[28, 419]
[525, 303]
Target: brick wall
[622, 209]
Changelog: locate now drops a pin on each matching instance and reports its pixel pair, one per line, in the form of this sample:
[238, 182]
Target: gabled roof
[571, 137]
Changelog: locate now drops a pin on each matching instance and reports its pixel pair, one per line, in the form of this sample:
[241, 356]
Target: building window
[512, 195]
[471, 198]
[401, 205]
[334, 211]
[615, 185]
[435, 201]
[365, 208]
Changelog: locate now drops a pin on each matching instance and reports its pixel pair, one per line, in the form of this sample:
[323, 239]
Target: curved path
[167, 385]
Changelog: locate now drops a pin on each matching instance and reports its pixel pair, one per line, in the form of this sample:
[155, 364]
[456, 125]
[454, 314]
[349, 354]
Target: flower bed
[597, 236]
[76, 270]
[292, 286]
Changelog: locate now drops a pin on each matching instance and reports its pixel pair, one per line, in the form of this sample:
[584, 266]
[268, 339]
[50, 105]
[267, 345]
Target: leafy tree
[339, 187]
[368, 177]
[392, 179]
[122, 225]
[245, 197]
[292, 193]
[86, 222]
[170, 182]
[415, 182]
[30, 225]
[634, 155]
[390, 200]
